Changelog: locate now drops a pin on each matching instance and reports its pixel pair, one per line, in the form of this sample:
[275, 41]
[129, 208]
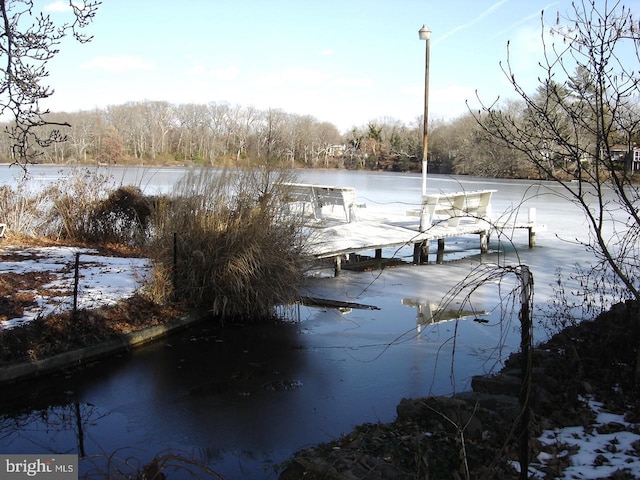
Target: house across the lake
[629, 159]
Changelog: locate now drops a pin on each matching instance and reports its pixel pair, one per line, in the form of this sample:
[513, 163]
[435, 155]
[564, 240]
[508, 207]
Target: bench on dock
[442, 214]
[319, 196]
[453, 207]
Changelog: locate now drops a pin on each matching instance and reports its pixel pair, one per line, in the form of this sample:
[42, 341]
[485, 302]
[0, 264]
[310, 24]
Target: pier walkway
[332, 234]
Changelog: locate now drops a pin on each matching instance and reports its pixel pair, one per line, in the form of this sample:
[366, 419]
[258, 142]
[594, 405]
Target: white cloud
[475, 20]
[526, 50]
[57, 6]
[118, 64]
[197, 70]
[296, 75]
[450, 102]
[363, 82]
[221, 73]
[226, 73]
[63, 6]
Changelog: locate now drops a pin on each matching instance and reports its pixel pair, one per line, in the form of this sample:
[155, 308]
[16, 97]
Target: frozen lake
[206, 392]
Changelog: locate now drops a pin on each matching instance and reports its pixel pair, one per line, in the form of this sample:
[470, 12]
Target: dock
[344, 236]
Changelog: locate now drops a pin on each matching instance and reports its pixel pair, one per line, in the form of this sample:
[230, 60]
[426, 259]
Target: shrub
[87, 207]
[236, 252]
[121, 218]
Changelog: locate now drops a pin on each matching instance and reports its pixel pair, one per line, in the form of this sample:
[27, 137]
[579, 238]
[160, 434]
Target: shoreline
[76, 358]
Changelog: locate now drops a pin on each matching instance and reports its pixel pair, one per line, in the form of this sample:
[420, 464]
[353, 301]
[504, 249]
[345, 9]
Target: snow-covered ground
[102, 280]
[596, 451]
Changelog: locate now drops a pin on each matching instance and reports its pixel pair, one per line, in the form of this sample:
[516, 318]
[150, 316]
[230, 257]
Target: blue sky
[344, 61]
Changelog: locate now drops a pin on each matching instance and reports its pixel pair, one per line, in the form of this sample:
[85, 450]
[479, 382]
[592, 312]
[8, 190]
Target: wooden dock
[338, 241]
[338, 238]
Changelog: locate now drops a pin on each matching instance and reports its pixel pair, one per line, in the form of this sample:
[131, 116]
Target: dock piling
[532, 232]
[484, 242]
[337, 265]
[440, 253]
[421, 252]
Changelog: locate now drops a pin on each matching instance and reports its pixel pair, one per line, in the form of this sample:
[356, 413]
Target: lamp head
[424, 33]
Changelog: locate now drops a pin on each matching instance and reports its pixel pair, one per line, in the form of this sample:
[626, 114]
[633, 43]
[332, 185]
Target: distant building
[336, 150]
[629, 160]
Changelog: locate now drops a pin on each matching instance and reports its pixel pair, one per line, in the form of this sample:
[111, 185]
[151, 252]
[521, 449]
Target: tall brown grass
[236, 252]
[21, 208]
[88, 207]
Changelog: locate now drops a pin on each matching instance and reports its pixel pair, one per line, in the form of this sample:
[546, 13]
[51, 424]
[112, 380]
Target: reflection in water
[56, 429]
[63, 429]
[203, 399]
[429, 313]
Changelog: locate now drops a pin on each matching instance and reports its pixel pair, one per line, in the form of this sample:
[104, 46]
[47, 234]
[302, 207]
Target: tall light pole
[425, 34]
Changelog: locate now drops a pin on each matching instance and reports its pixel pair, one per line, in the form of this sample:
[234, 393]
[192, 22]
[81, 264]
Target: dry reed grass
[235, 250]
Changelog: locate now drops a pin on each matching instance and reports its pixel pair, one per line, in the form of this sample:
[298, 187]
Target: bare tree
[86, 127]
[570, 127]
[28, 40]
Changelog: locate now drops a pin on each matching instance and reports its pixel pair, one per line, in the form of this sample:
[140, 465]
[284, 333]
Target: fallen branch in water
[325, 302]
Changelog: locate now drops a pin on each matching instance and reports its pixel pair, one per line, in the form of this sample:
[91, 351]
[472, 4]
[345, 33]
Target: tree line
[214, 134]
[158, 132]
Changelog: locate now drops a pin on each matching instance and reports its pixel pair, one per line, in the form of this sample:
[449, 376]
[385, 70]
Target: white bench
[453, 207]
[319, 196]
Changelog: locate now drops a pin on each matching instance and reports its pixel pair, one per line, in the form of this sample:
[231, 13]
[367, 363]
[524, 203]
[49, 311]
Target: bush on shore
[223, 241]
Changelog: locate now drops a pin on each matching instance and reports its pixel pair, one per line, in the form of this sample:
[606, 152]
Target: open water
[241, 400]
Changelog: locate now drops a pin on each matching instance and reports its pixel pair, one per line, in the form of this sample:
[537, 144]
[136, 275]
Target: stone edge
[78, 357]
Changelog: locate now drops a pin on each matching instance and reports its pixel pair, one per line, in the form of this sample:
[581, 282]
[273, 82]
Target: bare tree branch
[585, 107]
[28, 41]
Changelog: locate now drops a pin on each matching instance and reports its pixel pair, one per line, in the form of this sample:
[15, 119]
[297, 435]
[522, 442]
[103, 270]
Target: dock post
[337, 265]
[484, 242]
[378, 258]
[440, 254]
[532, 237]
[532, 227]
[421, 252]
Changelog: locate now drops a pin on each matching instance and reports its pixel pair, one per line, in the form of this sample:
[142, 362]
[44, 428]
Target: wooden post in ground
[175, 265]
[526, 347]
[76, 280]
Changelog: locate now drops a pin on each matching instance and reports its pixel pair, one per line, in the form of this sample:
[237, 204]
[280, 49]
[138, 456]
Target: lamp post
[425, 34]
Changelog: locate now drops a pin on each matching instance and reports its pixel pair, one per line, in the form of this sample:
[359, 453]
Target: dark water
[241, 400]
[211, 393]
[238, 399]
